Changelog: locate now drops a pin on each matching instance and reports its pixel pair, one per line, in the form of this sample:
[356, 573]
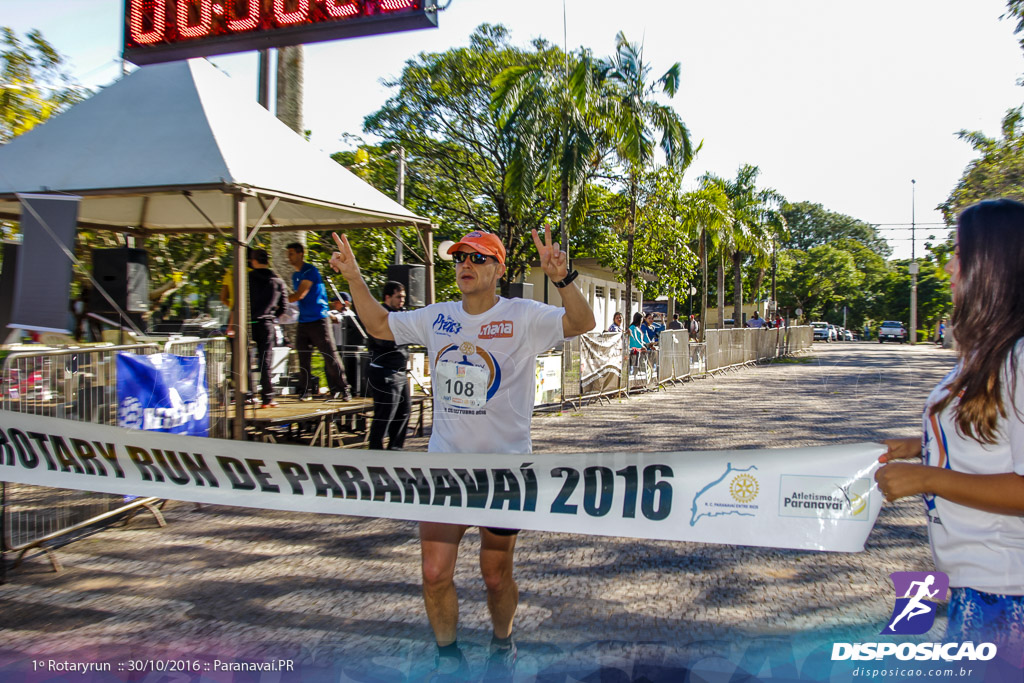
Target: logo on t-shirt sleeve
[492, 330]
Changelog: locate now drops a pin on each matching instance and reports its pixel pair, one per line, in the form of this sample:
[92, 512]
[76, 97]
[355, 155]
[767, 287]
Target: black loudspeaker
[414, 279]
[7, 280]
[520, 290]
[124, 274]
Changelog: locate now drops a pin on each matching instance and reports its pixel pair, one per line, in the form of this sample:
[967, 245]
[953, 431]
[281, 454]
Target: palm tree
[549, 111]
[707, 211]
[725, 239]
[634, 119]
[756, 221]
[773, 229]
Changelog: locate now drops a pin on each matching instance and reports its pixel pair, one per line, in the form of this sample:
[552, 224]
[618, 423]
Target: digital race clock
[166, 30]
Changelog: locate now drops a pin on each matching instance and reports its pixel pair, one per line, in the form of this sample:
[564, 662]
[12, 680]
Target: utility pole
[913, 266]
[400, 193]
[289, 110]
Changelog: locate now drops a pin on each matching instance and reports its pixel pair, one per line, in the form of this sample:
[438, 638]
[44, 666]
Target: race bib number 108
[462, 386]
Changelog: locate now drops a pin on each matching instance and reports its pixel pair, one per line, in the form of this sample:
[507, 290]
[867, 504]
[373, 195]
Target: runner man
[482, 352]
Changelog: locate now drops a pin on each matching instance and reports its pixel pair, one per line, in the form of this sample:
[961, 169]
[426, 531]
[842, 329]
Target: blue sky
[839, 103]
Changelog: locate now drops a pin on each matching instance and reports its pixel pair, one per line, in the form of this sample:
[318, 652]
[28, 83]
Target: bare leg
[496, 563]
[439, 548]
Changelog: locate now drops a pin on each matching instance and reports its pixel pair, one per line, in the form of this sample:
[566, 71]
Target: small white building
[605, 293]
[748, 311]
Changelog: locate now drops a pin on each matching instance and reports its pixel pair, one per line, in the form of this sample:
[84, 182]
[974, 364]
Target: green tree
[756, 225]
[1015, 10]
[635, 119]
[458, 149]
[375, 248]
[34, 83]
[815, 279]
[812, 224]
[708, 211]
[550, 109]
[666, 225]
[997, 172]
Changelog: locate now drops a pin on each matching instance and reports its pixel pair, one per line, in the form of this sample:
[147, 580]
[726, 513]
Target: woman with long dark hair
[972, 477]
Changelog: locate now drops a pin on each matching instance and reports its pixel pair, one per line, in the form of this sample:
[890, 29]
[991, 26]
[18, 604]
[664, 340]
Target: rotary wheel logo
[467, 348]
[129, 414]
[743, 488]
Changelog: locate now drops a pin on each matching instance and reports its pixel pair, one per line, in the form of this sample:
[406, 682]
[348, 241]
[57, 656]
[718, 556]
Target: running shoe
[501, 664]
[449, 669]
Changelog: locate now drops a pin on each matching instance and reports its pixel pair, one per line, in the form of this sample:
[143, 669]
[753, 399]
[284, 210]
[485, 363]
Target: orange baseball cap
[483, 242]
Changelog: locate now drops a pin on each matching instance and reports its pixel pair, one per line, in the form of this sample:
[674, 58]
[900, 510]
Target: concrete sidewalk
[323, 590]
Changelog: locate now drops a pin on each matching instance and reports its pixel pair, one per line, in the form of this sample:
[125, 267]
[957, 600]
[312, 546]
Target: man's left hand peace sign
[553, 260]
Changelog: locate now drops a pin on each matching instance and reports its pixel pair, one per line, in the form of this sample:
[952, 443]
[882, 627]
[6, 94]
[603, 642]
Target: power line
[911, 224]
[945, 227]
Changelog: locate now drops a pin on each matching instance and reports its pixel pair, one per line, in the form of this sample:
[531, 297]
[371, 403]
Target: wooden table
[321, 416]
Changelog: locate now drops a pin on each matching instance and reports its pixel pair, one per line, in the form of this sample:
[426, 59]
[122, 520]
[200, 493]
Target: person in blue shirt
[639, 342]
[650, 329]
[314, 330]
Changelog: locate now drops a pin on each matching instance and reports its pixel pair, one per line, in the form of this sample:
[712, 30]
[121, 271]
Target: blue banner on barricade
[163, 393]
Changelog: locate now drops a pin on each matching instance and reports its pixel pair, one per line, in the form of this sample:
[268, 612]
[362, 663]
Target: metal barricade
[74, 384]
[698, 358]
[601, 361]
[80, 384]
[729, 348]
[673, 355]
[675, 359]
[571, 360]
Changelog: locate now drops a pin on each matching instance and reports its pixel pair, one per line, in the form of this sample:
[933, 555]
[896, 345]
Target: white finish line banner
[802, 498]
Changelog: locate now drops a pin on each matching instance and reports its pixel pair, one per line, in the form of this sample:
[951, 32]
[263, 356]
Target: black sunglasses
[474, 257]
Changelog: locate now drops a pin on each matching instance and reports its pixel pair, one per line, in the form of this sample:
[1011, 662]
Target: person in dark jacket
[389, 385]
[267, 300]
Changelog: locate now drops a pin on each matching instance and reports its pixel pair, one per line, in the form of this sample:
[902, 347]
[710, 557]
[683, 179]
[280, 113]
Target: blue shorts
[987, 617]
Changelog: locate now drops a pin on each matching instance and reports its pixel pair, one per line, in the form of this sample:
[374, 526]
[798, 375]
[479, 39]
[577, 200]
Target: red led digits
[339, 9]
[250, 21]
[166, 30]
[201, 29]
[395, 5]
[155, 11]
[287, 18]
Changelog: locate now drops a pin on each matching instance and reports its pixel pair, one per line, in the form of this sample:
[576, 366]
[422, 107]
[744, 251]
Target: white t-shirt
[977, 549]
[483, 370]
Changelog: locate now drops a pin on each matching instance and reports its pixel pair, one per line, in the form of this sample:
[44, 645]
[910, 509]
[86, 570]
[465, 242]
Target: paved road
[344, 593]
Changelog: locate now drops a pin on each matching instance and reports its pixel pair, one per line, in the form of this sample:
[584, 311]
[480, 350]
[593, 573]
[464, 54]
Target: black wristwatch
[567, 280]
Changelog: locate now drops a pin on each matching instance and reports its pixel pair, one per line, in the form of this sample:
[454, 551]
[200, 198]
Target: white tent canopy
[134, 150]
[172, 148]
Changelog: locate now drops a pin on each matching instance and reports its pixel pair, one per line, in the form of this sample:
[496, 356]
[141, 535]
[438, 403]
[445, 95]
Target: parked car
[822, 331]
[836, 334]
[893, 330]
[848, 335]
